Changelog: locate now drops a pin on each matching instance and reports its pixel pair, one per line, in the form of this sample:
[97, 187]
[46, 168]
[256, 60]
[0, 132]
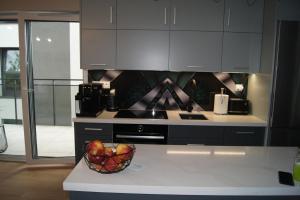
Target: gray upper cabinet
[241, 52]
[98, 49]
[204, 15]
[195, 51]
[244, 16]
[142, 50]
[98, 14]
[143, 14]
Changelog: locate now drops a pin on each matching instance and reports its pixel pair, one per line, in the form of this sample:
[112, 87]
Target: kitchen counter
[174, 119]
[192, 170]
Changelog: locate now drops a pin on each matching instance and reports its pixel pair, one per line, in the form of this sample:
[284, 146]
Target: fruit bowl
[113, 158]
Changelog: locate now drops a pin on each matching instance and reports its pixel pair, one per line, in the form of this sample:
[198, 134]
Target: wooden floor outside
[19, 181]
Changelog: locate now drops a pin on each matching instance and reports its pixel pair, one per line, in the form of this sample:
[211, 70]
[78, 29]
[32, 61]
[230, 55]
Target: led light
[230, 153]
[189, 152]
[239, 87]
[49, 40]
[38, 39]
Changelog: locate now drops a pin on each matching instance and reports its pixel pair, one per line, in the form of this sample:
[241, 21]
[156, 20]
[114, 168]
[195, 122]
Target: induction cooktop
[144, 114]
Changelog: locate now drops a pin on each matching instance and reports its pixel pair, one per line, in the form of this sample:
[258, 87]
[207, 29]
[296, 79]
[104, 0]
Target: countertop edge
[174, 119]
[171, 190]
[168, 122]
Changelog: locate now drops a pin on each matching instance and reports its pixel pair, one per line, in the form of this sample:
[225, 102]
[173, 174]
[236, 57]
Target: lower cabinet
[177, 135]
[244, 136]
[216, 135]
[206, 135]
[85, 132]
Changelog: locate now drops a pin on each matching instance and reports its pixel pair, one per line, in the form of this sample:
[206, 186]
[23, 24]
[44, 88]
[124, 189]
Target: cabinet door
[98, 14]
[195, 51]
[241, 136]
[241, 52]
[205, 15]
[142, 50]
[244, 15]
[206, 135]
[143, 14]
[98, 49]
[85, 132]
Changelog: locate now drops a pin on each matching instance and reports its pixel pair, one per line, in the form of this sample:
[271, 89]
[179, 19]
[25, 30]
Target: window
[10, 72]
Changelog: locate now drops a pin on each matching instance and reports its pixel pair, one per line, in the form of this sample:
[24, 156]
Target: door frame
[22, 17]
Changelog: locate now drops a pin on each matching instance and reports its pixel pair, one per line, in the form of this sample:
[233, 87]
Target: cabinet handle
[229, 16]
[244, 132]
[165, 16]
[240, 67]
[111, 14]
[191, 66]
[95, 64]
[140, 137]
[93, 129]
[174, 16]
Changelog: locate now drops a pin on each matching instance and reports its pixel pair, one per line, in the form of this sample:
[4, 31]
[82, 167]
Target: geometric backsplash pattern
[162, 90]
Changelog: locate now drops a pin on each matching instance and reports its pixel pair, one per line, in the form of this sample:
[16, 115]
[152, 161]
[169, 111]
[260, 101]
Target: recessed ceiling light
[49, 40]
[38, 39]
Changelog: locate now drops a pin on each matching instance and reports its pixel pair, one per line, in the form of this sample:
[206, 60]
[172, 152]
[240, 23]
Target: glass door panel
[54, 74]
[10, 89]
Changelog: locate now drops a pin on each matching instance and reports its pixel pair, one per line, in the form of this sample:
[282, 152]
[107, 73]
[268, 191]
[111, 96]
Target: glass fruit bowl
[108, 158]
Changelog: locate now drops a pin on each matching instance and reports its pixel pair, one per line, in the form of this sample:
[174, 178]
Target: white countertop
[174, 119]
[193, 170]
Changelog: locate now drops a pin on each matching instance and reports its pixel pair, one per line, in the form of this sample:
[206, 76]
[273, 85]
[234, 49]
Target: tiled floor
[52, 141]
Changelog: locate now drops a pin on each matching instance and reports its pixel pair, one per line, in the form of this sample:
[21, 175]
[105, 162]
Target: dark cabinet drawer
[85, 132]
[240, 136]
[206, 135]
[99, 130]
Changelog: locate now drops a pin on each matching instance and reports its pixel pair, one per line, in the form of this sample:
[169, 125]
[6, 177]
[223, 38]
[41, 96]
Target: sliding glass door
[53, 75]
[11, 115]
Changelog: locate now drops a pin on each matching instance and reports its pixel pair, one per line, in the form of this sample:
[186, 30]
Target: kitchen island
[190, 172]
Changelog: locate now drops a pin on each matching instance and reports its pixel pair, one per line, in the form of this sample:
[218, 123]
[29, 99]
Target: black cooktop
[144, 114]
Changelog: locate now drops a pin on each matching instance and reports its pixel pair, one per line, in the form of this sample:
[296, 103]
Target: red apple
[95, 159]
[95, 147]
[108, 151]
[110, 165]
[124, 152]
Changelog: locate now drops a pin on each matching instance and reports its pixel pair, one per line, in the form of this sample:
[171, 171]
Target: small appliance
[238, 106]
[88, 100]
[221, 103]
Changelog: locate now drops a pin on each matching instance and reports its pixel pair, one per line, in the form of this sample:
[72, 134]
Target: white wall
[75, 71]
[259, 86]
[9, 35]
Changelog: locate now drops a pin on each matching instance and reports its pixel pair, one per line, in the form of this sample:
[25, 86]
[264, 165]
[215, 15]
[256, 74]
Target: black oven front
[140, 133]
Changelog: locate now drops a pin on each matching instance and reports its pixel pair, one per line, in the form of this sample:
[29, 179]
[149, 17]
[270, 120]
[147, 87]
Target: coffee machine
[88, 100]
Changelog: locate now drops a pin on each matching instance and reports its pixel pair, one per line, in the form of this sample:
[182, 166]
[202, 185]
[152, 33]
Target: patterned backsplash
[170, 90]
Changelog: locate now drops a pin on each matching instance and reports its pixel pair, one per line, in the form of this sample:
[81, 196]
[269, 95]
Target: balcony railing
[53, 100]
